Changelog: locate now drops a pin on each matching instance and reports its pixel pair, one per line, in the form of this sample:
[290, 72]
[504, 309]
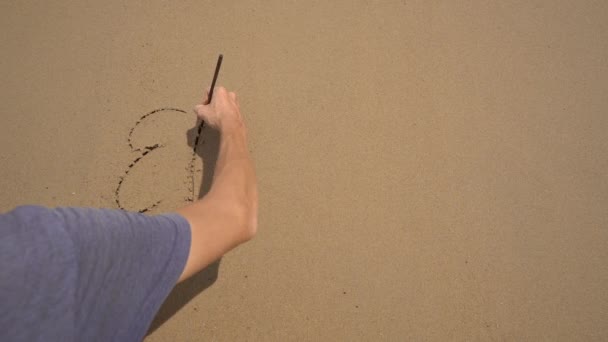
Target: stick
[217, 72]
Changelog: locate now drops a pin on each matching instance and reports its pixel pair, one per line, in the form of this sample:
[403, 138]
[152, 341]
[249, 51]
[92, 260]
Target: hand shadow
[208, 149]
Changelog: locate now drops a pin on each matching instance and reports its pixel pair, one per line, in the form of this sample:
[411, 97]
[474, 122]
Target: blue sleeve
[79, 274]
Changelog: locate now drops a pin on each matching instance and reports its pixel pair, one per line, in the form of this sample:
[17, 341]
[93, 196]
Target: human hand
[223, 112]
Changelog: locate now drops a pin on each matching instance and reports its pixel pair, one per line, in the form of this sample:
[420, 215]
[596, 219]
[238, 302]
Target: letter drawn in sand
[161, 176]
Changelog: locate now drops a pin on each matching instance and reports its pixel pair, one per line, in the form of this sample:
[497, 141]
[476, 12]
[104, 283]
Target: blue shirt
[79, 274]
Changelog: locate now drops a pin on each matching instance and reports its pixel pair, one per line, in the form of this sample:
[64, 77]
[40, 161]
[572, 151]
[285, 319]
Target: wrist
[230, 127]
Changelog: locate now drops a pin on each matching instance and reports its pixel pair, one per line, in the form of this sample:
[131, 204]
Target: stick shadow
[207, 149]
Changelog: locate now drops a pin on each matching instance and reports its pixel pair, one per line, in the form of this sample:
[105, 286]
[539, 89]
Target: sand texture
[428, 171]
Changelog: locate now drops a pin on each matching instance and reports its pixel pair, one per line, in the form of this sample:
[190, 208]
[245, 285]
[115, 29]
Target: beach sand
[427, 171]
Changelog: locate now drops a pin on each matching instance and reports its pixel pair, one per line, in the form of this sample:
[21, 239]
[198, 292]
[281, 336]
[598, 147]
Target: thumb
[201, 110]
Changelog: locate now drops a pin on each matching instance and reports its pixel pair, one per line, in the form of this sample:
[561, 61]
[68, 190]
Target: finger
[233, 96]
[201, 110]
[221, 91]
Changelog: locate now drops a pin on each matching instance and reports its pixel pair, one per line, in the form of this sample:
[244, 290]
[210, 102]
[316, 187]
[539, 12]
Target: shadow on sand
[207, 149]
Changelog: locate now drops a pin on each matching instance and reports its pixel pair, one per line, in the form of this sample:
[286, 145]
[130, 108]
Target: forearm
[234, 181]
[227, 215]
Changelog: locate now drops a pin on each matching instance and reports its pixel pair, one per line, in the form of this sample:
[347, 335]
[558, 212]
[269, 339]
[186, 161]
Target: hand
[223, 112]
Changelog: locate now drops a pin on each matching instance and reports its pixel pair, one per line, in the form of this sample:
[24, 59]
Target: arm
[227, 215]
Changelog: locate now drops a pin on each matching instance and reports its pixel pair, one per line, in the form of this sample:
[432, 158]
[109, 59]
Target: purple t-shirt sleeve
[80, 274]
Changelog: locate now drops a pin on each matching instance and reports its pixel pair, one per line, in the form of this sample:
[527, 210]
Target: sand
[427, 171]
